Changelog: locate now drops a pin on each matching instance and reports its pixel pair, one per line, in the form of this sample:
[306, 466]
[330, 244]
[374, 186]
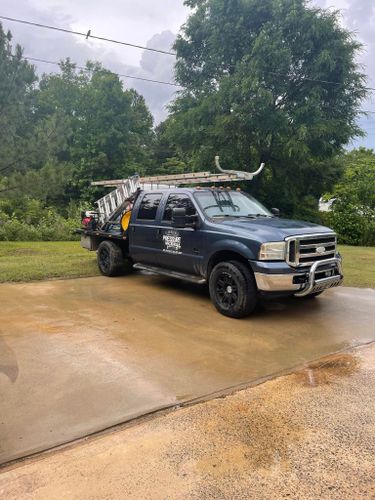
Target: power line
[140, 78]
[56, 63]
[89, 35]
[86, 35]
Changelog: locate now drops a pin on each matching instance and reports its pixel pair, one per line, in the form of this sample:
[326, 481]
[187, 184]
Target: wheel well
[123, 244]
[225, 255]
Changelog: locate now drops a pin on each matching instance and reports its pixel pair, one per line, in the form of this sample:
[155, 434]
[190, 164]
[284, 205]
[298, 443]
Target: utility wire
[147, 79]
[118, 74]
[86, 35]
[89, 35]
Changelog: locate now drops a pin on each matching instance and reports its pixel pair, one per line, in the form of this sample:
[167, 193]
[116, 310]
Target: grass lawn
[359, 266]
[27, 261]
[37, 260]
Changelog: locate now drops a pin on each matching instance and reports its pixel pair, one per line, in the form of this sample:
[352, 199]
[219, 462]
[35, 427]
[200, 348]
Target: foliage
[353, 214]
[255, 74]
[108, 129]
[17, 84]
[28, 219]
[57, 135]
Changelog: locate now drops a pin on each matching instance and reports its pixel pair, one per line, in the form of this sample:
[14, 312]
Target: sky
[153, 24]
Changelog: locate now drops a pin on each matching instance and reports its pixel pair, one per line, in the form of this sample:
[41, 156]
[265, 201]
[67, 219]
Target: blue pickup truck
[219, 236]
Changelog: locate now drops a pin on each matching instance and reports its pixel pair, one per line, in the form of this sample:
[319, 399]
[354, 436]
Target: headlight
[275, 250]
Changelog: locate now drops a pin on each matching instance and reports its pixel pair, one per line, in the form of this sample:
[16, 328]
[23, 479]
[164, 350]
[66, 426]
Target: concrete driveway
[79, 356]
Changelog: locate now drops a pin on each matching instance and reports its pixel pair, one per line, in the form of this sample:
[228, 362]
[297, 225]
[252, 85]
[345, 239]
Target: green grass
[28, 261]
[359, 266]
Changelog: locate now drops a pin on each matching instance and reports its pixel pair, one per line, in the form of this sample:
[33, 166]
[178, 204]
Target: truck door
[144, 238]
[182, 248]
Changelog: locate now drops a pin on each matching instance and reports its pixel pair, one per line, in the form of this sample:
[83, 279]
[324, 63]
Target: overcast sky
[154, 24]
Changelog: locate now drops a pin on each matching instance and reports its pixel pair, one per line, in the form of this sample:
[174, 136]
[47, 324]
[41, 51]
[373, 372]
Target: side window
[149, 206]
[178, 201]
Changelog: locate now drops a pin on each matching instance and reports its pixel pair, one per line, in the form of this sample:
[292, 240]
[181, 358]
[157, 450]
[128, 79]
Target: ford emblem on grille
[320, 250]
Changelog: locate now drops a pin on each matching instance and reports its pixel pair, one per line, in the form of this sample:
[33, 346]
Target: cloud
[123, 20]
[160, 67]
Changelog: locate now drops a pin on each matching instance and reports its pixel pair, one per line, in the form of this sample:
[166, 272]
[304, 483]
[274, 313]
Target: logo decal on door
[172, 242]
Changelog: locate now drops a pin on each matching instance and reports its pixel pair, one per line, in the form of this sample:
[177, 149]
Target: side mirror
[275, 212]
[179, 217]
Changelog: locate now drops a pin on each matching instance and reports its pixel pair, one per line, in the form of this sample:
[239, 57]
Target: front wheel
[110, 259]
[232, 289]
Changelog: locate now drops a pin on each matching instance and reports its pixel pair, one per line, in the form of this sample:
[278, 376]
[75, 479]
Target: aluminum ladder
[125, 189]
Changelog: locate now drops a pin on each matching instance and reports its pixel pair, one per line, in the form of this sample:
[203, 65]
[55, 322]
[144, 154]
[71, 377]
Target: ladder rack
[125, 189]
[175, 179]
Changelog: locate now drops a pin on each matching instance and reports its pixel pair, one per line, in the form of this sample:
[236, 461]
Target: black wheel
[110, 258]
[232, 289]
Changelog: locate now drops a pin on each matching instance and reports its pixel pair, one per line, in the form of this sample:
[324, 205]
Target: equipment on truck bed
[126, 189]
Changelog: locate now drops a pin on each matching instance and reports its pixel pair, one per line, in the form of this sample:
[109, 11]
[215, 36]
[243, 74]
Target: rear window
[149, 206]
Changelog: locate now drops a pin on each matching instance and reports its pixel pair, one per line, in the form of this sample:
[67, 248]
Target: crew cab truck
[219, 236]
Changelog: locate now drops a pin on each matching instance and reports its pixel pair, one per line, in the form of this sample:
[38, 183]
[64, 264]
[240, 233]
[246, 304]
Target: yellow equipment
[125, 220]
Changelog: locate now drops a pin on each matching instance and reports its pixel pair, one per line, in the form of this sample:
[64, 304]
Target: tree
[267, 80]
[17, 93]
[108, 129]
[353, 214]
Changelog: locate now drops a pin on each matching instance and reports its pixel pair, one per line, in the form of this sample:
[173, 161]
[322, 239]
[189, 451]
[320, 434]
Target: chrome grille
[306, 249]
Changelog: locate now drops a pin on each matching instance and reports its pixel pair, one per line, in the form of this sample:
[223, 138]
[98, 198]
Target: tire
[110, 259]
[232, 289]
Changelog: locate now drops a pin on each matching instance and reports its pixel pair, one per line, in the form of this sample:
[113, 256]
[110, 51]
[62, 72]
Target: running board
[170, 274]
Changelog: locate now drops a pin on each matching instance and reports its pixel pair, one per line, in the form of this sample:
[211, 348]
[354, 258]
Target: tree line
[262, 80]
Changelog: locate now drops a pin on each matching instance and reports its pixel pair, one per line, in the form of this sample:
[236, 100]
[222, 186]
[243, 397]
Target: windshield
[217, 203]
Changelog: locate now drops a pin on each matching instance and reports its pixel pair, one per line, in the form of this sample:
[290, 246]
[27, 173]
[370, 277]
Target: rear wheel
[232, 289]
[110, 259]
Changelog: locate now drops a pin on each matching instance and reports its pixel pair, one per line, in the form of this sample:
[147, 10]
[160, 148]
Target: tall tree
[109, 129]
[267, 80]
[17, 92]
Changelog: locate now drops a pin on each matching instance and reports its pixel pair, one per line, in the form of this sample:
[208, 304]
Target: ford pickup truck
[219, 236]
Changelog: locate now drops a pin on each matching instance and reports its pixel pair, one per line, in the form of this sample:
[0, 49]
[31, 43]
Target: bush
[351, 226]
[353, 214]
[30, 221]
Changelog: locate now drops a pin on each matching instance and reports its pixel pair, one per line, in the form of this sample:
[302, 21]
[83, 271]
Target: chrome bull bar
[314, 285]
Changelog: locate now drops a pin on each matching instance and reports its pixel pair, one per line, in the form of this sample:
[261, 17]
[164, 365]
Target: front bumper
[282, 278]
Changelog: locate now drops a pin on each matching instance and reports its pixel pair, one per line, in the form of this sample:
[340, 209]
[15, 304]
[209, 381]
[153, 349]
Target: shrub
[353, 214]
[352, 226]
[30, 221]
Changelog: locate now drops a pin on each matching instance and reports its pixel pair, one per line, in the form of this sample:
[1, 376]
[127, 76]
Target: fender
[228, 245]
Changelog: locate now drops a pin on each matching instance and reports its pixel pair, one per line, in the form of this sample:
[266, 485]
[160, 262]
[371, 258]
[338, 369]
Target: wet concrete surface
[78, 356]
[307, 435]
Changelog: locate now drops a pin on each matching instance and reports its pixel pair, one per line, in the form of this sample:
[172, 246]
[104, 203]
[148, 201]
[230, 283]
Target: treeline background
[260, 81]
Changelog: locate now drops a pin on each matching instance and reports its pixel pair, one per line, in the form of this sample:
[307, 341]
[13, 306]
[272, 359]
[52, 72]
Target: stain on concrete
[328, 369]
